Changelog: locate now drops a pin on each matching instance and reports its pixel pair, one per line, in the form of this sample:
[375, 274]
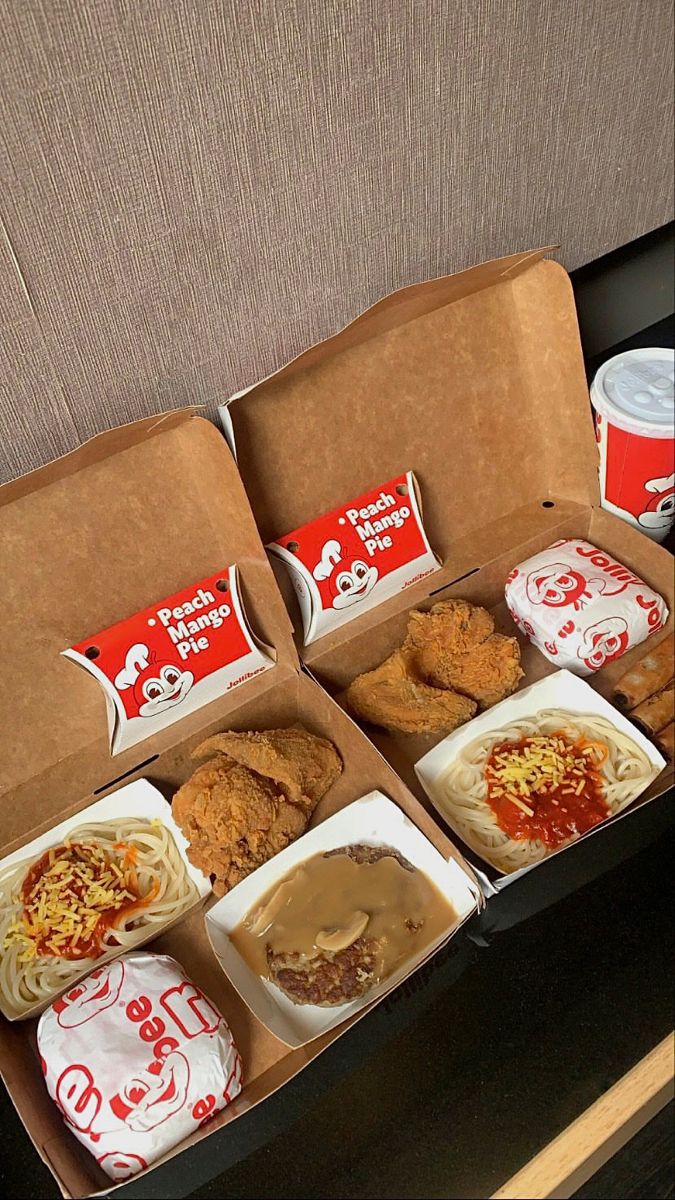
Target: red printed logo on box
[637, 477]
[172, 658]
[346, 562]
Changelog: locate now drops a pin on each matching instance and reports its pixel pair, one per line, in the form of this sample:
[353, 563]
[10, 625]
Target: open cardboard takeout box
[131, 516]
[476, 382]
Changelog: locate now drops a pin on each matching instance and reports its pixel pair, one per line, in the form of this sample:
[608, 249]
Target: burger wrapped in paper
[136, 1058]
[580, 607]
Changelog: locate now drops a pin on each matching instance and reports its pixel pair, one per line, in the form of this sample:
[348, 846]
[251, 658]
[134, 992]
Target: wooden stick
[579, 1151]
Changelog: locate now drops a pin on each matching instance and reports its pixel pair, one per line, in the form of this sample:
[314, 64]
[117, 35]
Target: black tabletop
[459, 1077]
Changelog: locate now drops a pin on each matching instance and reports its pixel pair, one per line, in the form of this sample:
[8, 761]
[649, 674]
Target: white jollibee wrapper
[136, 1058]
[580, 607]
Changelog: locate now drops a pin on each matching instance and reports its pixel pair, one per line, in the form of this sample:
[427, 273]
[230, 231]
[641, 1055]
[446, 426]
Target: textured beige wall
[194, 190]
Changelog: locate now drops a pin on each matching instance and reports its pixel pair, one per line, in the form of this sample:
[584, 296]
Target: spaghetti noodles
[100, 891]
[520, 792]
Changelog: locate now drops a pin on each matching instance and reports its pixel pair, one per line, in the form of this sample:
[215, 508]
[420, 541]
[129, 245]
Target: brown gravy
[327, 903]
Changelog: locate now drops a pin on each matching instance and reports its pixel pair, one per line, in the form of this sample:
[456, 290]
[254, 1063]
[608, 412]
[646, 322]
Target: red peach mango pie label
[172, 658]
[349, 560]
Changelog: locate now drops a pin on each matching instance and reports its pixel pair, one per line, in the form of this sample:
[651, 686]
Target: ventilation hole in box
[132, 771]
[402, 489]
[453, 581]
[223, 585]
[548, 504]
[293, 547]
[92, 652]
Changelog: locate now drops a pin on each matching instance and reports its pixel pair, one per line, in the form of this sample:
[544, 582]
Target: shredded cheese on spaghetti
[544, 765]
[71, 897]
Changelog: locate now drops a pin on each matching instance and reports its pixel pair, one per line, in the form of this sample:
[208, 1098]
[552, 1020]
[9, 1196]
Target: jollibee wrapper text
[580, 607]
[349, 560]
[136, 1058]
[172, 658]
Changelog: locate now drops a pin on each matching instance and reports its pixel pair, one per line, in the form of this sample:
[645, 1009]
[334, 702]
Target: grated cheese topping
[71, 896]
[542, 766]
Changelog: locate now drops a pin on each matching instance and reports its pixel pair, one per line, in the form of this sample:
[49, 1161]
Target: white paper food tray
[561, 690]
[375, 821]
[137, 799]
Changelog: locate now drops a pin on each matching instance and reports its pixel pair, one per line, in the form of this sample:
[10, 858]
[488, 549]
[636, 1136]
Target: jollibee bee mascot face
[660, 510]
[161, 685]
[351, 581]
[604, 642]
[157, 685]
[557, 585]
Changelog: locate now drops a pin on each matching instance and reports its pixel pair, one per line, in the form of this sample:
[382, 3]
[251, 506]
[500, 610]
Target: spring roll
[665, 741]
[657, 711]
[651, 674]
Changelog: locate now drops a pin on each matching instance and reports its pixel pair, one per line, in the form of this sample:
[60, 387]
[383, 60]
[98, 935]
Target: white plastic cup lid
[636, 391]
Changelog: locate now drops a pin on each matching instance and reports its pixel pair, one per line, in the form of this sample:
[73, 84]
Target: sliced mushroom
[339, 939]
[268, 912]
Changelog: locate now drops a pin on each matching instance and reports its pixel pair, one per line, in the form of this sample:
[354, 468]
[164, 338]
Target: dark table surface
[476, 1062]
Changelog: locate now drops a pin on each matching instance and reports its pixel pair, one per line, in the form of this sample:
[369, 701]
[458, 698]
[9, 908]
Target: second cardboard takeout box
[476, 383]
[132, 516]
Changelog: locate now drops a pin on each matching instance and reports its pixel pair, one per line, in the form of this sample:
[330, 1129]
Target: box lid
[133, 515]
[475, 381]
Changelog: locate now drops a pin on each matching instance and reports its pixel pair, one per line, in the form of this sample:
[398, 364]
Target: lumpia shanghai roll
[665, 741]
[657, 711]
[648, 676]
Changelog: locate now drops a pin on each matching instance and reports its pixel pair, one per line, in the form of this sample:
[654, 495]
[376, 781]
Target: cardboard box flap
[460, 379]
[130, 517]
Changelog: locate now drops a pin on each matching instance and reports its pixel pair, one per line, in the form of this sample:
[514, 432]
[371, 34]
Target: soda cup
[633, 396]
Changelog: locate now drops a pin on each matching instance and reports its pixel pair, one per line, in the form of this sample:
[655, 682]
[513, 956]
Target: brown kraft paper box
[134, 515]
[476, 383]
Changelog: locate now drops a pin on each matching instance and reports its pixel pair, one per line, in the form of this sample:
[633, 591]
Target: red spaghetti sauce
[73, 894]
[547, 788]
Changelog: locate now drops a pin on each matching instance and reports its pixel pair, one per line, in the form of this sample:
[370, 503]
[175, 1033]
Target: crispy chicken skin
[305, 764]
[453, 626]
[251, 800]
[487, 673]
[394, 698]
[451, 662]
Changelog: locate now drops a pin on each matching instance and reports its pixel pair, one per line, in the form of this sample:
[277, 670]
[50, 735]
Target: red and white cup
[633, 395]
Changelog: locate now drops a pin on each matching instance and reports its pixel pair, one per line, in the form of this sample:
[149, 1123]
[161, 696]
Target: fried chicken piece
[393, 697]
[487, 673]
[450, 627]
[305, 764]
[234, 817]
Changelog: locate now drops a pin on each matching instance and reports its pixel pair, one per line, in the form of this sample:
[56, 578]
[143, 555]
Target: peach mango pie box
[475, 382]
[92, 542]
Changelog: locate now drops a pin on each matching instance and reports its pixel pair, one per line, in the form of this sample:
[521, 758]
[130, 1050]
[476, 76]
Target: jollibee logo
[153, 1095]
[603, 642]
[558, 584]
[330, 557]
[157, 686]
[350, 579]
[120, 1165]
[77, 1097]
[190, 1010]
[90, 997]
[660, 510]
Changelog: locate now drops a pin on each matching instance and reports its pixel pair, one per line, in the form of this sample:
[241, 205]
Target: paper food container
[561, 690]
[94, 557]
[179, 654]
[374, 821]
[137, 799]
[455, 379]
